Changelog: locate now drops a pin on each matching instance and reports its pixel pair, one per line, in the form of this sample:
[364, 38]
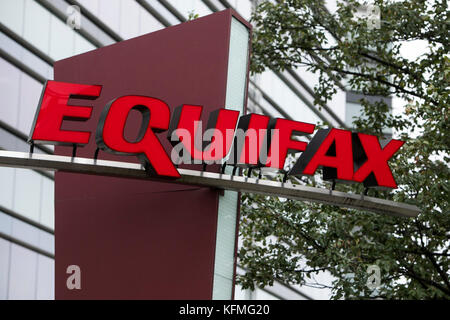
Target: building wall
[34, 34]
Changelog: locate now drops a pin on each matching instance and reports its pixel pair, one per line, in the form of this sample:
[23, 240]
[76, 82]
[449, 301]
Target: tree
[412, 254]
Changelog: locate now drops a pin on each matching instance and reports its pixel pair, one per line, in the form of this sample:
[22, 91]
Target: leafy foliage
[292, 241]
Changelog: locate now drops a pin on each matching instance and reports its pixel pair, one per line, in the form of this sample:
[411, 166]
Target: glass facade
[34, 34]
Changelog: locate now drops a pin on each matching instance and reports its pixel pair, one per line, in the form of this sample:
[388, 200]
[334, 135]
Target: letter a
[74, 281]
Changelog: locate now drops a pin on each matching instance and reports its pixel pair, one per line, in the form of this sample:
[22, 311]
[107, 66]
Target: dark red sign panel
[137, 239]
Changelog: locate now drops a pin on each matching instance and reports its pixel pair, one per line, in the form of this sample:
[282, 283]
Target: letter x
[377, 160]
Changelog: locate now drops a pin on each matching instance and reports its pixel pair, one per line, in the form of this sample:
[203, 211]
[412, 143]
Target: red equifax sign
[251, 140]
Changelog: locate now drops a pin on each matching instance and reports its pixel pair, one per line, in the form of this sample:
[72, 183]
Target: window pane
[27, 193]
[285, 98]
[45, 278]
[22, 275]
[14, 49]
[46, 241]
[82, 45]
[37, 26]
[263, 295]
[243, 7]
[30, 93]
[129, 19]
[353, 110]
[148, 23]
[10, 46]
[6, 187]
[4, 268]
[37, 64]
[61, 39]
[9, 91]
[91, 5]
[187, 6]
[109, 13]
[48, 203]
[5, 223]
[25, 232]
[11, 14]
[163, 11]
[241, 294]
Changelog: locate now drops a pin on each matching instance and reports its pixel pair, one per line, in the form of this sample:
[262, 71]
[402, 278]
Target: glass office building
[34, 34]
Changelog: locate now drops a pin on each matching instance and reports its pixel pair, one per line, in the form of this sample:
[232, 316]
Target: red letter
[330, 148]
[249, 140]
[53, 109]
[376, 163]
[156, 116]
[221, 122]
[282, 142]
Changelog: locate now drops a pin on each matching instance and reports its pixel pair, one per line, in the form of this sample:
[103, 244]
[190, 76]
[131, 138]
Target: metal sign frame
[209, 179]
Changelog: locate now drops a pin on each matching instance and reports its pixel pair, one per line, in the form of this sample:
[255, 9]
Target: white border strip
[227, 213]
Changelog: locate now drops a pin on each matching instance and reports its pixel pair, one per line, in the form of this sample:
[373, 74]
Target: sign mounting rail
[209, 179]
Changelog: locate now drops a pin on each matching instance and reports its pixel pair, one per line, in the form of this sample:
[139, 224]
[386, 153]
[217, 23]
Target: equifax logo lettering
[251, 140]
[54, 109]
[155, 118]
[210, 147]
[341, 152]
